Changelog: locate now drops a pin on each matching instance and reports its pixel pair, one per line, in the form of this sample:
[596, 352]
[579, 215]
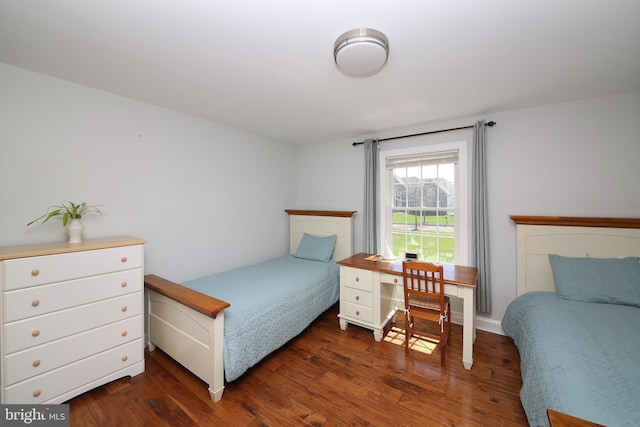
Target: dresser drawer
[23, 334]
[29, 302]
[357, 278]
[25, 272]
[59, 381]
[44, 358]
[358, 312]
[37, 300]
[358, 296]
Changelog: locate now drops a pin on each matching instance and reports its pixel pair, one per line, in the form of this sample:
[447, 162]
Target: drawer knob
[124, 333]
[395, 280]
[36, 393]
[124, 308]
[124, 358]
[35, 303]
[35, 272]
[358, 313]
[357, 279]
[357, 297]
[123, 259]
[36, 363]
[123, 284]
[35, 333]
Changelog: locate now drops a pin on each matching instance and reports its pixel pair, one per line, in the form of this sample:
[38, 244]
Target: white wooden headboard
[539, 236]
[322, 223]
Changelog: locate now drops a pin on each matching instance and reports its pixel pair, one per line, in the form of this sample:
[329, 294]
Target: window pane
[423, 209]
[430, 194]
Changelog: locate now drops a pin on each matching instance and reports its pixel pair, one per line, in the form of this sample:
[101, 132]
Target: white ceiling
[267, 66]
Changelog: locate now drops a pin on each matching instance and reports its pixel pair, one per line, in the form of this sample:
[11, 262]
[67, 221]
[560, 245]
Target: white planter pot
[74, 229]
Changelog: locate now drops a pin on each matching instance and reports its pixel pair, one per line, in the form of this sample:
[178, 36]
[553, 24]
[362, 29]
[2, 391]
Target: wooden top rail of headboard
[575, 221]
[345, 214]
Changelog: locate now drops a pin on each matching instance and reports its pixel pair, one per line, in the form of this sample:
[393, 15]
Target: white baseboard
[489, 325]
[482, 323]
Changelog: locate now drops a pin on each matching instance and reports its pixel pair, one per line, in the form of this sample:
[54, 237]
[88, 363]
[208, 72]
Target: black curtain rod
[491, 123]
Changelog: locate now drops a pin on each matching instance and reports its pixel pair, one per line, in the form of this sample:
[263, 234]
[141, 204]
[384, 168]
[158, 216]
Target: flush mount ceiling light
[361, 52]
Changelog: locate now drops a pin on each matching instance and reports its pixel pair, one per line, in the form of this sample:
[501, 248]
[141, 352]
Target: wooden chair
[424, 298]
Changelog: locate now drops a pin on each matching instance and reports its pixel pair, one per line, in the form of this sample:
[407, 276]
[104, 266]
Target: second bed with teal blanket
[579, 358]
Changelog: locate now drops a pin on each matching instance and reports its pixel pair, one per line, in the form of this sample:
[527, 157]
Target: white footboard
[192, 338]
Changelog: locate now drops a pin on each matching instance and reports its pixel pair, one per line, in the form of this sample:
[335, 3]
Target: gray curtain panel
[370, 213]
[480, 219]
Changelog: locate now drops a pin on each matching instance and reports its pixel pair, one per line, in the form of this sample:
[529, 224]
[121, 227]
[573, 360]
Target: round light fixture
[361, 52]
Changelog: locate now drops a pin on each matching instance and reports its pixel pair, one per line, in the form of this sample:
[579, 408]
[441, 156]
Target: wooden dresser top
[39, 249]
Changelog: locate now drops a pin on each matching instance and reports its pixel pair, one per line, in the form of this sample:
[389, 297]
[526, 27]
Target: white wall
[206, 197]
[571, 159]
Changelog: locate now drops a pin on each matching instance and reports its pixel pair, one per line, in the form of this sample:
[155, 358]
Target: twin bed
[221, 325]
[576, 320]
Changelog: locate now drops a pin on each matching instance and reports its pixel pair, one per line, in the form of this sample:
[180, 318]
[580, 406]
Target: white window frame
[462, 192]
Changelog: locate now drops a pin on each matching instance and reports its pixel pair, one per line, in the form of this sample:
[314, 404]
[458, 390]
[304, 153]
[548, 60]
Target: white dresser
[71, 317]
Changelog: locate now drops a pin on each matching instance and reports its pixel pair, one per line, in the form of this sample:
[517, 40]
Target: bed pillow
[316, 248]
[603, 280]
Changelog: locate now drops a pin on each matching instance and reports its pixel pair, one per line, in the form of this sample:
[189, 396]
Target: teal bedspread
[579, 358]
[271, 302]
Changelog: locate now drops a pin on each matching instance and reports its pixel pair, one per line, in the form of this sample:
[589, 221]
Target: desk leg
[377, 334]
[468, 326]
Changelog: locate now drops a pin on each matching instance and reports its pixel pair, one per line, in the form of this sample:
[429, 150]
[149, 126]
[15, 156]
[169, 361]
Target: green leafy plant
[68, 211]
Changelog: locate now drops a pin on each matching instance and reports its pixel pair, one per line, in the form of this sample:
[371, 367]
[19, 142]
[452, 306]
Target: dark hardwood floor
[325, 377]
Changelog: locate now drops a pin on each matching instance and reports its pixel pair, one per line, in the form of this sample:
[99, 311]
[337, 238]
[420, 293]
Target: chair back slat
[423, 280]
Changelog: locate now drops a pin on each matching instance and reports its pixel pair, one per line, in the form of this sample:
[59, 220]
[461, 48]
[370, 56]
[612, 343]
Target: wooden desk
[372, 291]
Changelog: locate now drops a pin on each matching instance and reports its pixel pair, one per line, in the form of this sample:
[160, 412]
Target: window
[424, 202]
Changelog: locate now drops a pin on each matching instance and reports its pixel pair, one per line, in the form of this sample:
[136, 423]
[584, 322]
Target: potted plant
[71, 214]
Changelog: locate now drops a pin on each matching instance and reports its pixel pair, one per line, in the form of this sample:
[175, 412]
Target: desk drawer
[358, 312]
[359, 279]
[38, 270]
[393, 279]
[358, 296]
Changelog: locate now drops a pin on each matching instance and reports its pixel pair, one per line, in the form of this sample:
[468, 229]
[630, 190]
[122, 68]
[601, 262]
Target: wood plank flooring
[325, 377]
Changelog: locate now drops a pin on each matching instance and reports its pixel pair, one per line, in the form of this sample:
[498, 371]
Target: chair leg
[445, 336]
[407, 331]
[449, 322]
[443, 344]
